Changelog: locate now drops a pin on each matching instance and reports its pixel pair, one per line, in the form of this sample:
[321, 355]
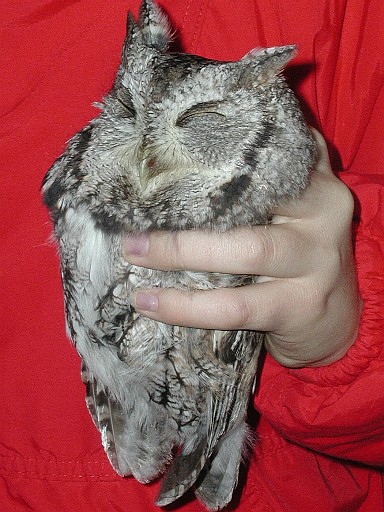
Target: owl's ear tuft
[132, 33]
[131, 39]
[152, 30]
[154, 26]
[261, 65]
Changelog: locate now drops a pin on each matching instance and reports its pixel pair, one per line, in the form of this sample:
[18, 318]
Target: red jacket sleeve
[339, 409]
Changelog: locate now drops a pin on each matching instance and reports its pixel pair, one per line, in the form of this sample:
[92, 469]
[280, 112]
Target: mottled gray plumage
[182, 142]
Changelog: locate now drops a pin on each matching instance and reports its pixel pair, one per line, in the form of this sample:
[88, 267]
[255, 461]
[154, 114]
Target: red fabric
[57, 58]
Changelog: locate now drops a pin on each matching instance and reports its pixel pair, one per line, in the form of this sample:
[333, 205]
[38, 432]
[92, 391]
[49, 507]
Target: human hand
[306, 297]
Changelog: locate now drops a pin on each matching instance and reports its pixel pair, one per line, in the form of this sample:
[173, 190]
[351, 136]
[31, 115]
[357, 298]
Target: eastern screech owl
[181, 142]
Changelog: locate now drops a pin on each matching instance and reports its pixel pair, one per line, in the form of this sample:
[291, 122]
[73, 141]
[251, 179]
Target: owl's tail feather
[215, 479]
[216, 486]
[205, 464]
[182, 474]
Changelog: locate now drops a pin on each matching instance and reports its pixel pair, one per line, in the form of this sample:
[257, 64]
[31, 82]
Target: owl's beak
[149, 168]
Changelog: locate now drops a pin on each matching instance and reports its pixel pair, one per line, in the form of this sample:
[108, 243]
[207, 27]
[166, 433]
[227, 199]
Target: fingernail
[145, 301]
[136, 244]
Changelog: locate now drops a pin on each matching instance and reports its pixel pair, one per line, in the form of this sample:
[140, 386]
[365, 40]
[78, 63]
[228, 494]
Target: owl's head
[184, 141]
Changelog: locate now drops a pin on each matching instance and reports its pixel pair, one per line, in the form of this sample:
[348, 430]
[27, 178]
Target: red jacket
[320, 441]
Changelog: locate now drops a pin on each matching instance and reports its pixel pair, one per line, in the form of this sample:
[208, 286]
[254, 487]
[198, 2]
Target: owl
[182, 142]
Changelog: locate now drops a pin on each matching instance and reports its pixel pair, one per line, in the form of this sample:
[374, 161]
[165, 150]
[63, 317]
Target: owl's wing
[220, 476]
[214, 464]
[106, 414]
[98, 314]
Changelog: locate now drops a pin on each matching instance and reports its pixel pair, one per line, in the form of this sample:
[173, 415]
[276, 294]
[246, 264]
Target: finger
[274, 250]
[255, 307]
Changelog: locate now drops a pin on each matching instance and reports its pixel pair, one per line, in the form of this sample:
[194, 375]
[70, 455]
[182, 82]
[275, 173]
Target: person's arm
[338, 409]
